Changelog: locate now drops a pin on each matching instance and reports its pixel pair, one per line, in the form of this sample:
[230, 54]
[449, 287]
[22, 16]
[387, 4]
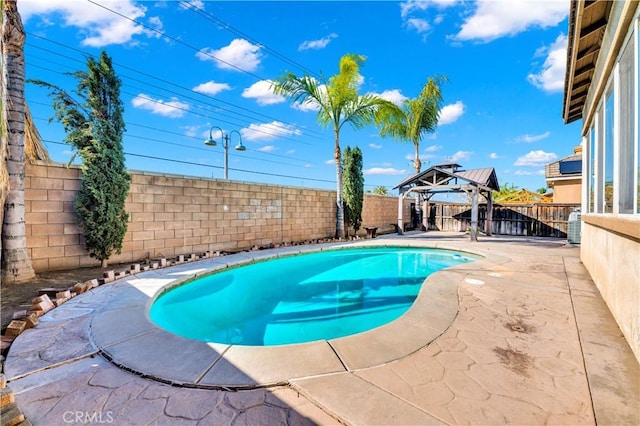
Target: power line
[211, 166]
[177, 40]
[211, 17]
[225, 25]
[198, 148]
[275, 124]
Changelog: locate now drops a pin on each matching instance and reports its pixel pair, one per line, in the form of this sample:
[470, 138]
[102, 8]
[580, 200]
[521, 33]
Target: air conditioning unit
[573, 228]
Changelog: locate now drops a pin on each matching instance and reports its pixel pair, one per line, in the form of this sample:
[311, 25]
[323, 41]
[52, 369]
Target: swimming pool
[315, 296]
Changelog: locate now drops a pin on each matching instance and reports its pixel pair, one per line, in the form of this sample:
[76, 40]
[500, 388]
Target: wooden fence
[541, 220]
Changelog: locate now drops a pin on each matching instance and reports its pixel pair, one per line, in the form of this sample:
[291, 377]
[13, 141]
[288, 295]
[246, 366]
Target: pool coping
[123, 333]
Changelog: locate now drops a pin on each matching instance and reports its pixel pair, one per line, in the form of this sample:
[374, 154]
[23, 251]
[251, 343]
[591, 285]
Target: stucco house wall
[610, 246]
[567, 191]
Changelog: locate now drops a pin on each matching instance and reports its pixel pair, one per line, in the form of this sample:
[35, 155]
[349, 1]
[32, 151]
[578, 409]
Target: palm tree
[338, 103]
[14, 257]
[419, 116]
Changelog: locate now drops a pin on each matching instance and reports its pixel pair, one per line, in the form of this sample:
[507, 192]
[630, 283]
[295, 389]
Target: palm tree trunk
[417, 165]
[16, 265]
[339, 202]
[4, 176]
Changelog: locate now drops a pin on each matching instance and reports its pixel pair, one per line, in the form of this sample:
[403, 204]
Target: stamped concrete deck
[521, 336]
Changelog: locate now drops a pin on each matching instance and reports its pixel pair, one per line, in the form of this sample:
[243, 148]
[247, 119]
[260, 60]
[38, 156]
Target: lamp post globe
[225, 145]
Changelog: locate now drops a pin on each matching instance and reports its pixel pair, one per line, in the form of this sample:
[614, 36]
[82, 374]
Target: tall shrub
[94, 126]
[353, 187]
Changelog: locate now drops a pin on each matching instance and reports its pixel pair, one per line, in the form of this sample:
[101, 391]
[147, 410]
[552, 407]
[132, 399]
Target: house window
[598, 155]
[627, 113]
[591, 170]
[609, 180]
[637, 124]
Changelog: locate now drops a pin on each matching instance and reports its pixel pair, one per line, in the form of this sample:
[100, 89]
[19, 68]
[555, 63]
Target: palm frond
[362, 110]
[34, 149]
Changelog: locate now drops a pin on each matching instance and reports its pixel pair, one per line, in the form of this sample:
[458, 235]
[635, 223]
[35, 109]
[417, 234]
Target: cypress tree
[353, 187]
[94, 126]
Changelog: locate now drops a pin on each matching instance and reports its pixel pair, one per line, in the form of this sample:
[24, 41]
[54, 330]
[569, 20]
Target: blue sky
[186, 67]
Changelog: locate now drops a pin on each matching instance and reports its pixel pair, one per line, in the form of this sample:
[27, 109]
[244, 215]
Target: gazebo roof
[447, 178]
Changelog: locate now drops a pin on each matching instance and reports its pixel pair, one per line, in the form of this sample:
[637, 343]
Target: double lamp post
[225, 144]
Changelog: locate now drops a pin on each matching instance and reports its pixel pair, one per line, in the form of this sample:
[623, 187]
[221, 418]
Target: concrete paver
[528, 340]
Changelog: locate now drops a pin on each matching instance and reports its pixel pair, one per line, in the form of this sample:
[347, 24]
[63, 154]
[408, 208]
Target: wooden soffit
[587, 23]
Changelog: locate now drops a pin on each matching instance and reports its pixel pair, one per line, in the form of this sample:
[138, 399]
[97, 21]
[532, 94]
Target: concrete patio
[519, 337]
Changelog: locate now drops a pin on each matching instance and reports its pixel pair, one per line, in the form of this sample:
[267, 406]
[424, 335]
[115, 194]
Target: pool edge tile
[153, 355]
[243, 366]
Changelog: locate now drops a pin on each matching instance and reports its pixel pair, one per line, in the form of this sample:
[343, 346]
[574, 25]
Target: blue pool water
[315, 296]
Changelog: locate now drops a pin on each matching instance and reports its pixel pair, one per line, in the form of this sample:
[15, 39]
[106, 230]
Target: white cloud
[535, 158]
[529, 172]
[493, 19]
[191, 131]
[211, 88]
[238, 55]
[433, 148]
[268, 131]
[196, 3]
[262, 93]
[388, 171]
[332, 161]
[156, 23]
[460, 156]
[317, 44]
[290, 152]
[100, 27]
[408, 7]
[310, 106]
[450, 113]
[375, 146]
[527, 138]
[267, 148]
[173, 108]
[551, 77]
[418, 24]
[494, 156]
[393, 95]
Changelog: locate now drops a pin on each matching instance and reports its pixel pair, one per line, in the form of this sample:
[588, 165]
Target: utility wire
[275, 124]
[199, 148]
[211, 17]
[177, 40]
[211, 166]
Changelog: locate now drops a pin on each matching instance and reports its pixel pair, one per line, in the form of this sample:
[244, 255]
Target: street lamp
[225, 145]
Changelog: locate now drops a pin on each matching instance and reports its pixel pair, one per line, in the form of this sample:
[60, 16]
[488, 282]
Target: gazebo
[448, 177]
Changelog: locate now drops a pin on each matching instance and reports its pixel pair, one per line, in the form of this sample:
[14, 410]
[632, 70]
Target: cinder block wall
[172, 215]
[382, 212]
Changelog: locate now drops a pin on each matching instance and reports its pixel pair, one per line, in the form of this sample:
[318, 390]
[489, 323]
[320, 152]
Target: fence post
[488, 224]
[474, 214]
[400, 212]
